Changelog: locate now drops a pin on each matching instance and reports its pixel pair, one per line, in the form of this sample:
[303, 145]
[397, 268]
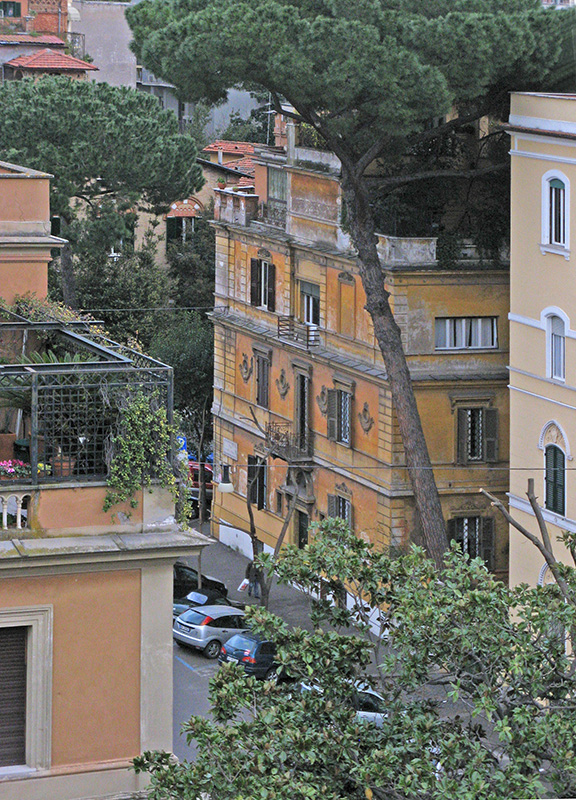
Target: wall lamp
[225, 486]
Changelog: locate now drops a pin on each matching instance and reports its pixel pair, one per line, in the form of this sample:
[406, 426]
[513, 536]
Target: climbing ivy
[139, 449]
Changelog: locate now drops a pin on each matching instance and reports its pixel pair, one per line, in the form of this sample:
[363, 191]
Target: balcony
[273, 213]
[61, 403]
[305, 335]
[289, 444]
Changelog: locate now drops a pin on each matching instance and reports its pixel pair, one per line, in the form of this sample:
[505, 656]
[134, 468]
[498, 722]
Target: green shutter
[332, 415]
[491, 434]
[271, 287]
[462, 436]
[556, 183]
[254, 282]
[487, 541]
[332, 505]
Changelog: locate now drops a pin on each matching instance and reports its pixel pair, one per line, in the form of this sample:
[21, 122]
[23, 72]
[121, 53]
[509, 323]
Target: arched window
[555, 479]
[557, 212]
[557, 348]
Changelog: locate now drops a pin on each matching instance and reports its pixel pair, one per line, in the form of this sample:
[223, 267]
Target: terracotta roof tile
[191, 207]
[242, 165]
[48, 59]
[26, 38]
[245, 148]
[245, 181]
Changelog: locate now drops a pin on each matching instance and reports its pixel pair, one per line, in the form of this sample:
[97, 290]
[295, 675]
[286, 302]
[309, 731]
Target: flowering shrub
[15, 469]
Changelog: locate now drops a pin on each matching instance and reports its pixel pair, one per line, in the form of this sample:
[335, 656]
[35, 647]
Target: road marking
[186, 664]
[203, 672]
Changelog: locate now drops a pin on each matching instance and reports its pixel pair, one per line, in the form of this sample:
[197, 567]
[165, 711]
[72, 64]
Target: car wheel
[271, 675]
[212, 649]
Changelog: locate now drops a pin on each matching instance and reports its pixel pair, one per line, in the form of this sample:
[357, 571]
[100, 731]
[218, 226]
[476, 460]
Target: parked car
[199, 598]
[207, 628]
[256, 655]
[186, 580]
[369, 705]
[194, 469]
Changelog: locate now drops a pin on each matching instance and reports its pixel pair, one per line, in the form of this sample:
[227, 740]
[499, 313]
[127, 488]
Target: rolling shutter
[13, 696]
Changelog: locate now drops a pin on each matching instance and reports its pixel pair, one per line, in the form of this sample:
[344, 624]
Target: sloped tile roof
[242, 165]
[48, 59]
[245, 148]
[245, 181]
[26, 38]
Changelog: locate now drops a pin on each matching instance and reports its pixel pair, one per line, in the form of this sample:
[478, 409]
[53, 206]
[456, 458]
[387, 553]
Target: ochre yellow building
[542, 313]
[300, 382]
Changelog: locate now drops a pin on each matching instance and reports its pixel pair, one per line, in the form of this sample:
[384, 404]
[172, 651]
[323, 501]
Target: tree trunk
[68, 277]
[387, 334]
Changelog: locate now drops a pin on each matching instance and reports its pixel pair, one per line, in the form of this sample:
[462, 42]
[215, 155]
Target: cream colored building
[542, 322]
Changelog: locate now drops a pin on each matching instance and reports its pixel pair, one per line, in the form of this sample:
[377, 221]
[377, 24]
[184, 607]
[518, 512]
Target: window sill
[555, 249]
[17, 771]
[445, 350]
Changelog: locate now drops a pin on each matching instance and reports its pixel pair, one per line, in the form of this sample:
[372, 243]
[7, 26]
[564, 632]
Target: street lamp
[225, 486]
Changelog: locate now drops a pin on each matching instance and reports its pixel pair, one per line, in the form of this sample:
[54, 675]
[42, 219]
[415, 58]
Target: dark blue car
[256, 655]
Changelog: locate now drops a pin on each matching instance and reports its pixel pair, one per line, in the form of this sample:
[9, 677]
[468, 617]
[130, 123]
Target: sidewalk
[229, 566]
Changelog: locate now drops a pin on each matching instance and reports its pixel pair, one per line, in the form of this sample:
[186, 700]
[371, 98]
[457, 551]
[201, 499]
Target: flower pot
[63, 467]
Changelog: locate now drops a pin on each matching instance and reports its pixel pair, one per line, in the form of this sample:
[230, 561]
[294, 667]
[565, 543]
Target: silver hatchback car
[208, 627]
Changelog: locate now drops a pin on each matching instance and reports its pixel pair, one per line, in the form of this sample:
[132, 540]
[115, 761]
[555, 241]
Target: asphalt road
[192, 673]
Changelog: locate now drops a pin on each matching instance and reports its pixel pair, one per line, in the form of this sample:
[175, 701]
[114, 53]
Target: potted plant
[221, 183]
[12, 469]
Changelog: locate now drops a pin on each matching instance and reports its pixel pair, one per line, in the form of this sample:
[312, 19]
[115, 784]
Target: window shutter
[451, 527]
[487, 542]
[462, 436]
[252, 489]
[13, 696]
[332, 415]
[350, 516]
[271, 287]
[261, 487]
[332, 505]
[254, 281]
[491, 434]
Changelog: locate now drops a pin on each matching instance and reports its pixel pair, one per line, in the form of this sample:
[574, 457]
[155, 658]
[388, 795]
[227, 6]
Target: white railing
[11, 504]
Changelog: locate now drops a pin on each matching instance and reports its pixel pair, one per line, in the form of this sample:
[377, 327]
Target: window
[13, 696]
[555, 213]
[340, 507]
[179, 229]
[257, 480]
[339, 416]
[277, 195]
[8, 9]
[477, 434]
[279, 502]
[25, 688]
[263, 284]
[475, 535]
[262, 380]
[466, 333]
[310, 303]
[555, 479]
[557, 349]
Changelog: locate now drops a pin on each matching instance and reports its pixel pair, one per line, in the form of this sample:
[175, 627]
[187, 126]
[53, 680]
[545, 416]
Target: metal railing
[274, 213]
[64, 411]
[306, 335]
[288, 443]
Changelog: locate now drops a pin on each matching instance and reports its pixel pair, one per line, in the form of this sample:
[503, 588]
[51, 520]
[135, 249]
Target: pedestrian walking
[253, 583]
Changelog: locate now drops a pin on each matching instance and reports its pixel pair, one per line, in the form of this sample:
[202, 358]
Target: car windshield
[197, 598]
[193, 617]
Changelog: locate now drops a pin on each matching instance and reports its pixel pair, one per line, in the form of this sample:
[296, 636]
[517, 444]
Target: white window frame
[39, 621]
[547, 244]
[264, 277]
[451, 333]
[552, 367]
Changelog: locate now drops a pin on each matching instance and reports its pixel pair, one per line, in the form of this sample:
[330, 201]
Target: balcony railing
[303, 334]
[290, 444]
[60, 409]
[274, 213]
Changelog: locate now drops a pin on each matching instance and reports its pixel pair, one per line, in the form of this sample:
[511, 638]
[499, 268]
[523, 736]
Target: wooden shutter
[350, 515]
[462, 436]
[254, 282]
[487, 541]
[332, 505]
[271, 287]
[490, 434]
[13, 696]
[252, 475]
[332, 415]
[261, 487]
[451, 528]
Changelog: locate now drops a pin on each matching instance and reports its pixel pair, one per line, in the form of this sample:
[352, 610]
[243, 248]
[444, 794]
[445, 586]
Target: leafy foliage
[479, 688]
[254, 128]
[139, 449]
[191, 266]
[97, 140]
